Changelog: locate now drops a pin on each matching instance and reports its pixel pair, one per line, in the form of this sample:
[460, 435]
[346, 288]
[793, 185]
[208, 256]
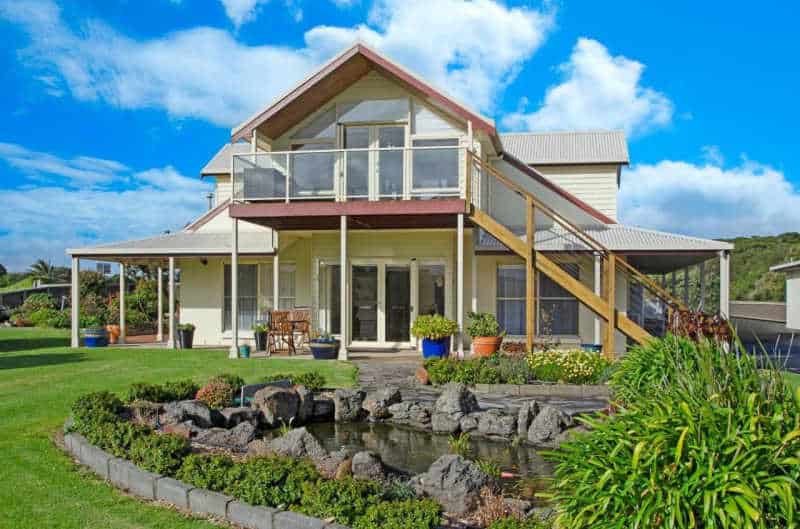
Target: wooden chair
[281, 333]
[302, 325]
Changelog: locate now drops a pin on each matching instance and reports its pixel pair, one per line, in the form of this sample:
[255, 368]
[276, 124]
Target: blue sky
[111, 108]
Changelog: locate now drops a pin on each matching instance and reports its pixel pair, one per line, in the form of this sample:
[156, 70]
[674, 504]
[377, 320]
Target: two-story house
[372, 197]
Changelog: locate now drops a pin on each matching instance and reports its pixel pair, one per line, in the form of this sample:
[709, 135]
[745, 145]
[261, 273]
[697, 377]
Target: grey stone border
[568, 391]
[150, 486]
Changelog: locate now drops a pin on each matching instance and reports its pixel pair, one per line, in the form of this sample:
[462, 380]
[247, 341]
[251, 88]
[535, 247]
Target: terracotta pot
[113, 333]
[486, 345]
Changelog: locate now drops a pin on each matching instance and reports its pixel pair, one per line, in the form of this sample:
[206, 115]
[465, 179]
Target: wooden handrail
[652, 285]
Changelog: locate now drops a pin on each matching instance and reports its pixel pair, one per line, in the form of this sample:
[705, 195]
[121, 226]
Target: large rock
[298, 443]
[236, 438]
[327, 466]
[469, 422]
[451, 406]
[495, 423]
[377, 402]
[411, 413]
[191, 410]
[368, 465]
[258, 448]
[277, 405]
[546, 426]
[569, 434]
[235, 416]
[454, 482]
[525, 417]
[305, 410]
[322, 410]
[347, 404]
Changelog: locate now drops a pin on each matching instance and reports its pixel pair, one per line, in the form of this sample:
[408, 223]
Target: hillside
[750, 262]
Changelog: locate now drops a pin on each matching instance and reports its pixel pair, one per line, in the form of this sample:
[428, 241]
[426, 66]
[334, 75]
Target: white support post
[75, 311]
[233, 352]
[121, 339]
[171, 296]
[724, 283]
[344, 315]
[460, 283]
[686, 286]
[276, 274]
[598, 290]
[160, 329]
[474, 285]
[701, 271]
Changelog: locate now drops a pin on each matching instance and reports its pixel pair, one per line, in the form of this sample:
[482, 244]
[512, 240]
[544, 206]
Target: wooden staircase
[603, 305]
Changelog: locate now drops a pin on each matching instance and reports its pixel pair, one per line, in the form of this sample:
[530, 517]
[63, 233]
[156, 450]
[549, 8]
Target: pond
[413, 451]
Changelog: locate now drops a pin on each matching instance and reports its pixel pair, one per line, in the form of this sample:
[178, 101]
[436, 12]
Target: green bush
[213, 472]
[217, 393]
[235, 381]
[496, 369]
[272, 481]
[37, 302]
[344, 500]
[313, 380]
[408, 514]
[433, 327]
[571, 367]
[95, 408]
[116, 437]
[482, 324]
[43, 317]
[159, 453]
[167, 392]
[713, 443]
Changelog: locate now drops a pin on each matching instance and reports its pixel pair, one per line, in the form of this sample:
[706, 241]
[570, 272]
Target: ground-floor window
[431, 289]
[248, 297]
[557, 308]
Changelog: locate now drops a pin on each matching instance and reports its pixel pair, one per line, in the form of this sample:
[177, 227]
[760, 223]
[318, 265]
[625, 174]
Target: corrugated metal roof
[615, 237]
[556, 148]
[759, 310]
[221, 162]
[785, 267]
[182, 243]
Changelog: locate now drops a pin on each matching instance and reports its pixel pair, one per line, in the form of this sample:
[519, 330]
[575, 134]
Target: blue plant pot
[244, 351]
[436, 348]
[325, 350]
[95, 338]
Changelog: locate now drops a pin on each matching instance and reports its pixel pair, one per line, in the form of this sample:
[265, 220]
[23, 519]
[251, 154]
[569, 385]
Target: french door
[381, 303]
[377, 173]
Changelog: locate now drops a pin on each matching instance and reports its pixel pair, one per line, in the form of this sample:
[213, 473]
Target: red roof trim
[479, 122]
[536, 175]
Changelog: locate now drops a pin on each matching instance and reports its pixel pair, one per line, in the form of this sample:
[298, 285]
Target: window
[431, 289]
[558, 309]
[286, 291]
[435, 168]
[312, 172]
[248, 297]
[511, 299]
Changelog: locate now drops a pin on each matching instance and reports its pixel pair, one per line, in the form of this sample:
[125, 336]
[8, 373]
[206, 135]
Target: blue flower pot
[95, 337]
[436, 348]
[244, 351]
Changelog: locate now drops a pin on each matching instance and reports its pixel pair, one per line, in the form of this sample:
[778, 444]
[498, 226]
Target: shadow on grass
[39, 360]
[28, 344]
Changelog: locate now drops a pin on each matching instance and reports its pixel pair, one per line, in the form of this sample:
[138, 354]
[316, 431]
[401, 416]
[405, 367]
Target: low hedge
[169, 391]
[268, 481]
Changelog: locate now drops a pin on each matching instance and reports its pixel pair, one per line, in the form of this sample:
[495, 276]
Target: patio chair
[301, 317]
[280, 338]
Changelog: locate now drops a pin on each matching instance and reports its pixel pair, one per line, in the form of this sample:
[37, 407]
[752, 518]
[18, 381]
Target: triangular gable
[336, 75]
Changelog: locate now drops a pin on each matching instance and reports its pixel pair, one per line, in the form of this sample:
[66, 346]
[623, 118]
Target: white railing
[389, 173]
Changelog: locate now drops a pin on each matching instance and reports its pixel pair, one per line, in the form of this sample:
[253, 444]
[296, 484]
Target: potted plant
[186, 335]
[94, 333]
[113, 333]
[324, 346]
[485, 332]
[435, 332]
[260, 331]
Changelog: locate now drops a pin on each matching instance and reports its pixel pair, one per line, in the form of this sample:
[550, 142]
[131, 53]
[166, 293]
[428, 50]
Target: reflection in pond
[413, 451]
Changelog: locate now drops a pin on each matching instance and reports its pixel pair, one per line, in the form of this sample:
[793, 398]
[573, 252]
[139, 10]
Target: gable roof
[339, 73]
[569, 147]
[220, 164]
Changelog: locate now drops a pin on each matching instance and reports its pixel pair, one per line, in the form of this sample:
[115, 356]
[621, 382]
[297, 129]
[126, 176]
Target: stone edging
[569, 391]
[150, 486]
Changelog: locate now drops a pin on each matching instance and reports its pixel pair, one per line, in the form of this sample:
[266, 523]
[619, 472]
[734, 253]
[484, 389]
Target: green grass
[793, 379]
[40, 377]
[26, 282]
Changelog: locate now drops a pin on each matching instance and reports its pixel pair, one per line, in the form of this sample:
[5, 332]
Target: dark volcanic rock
[454, 402]
[347, 404]
[526, 414]
[368, 465]
[236, 438]
[414, 414]
[377, 402]
[236, 416]
[277, 405]
[454, 482]
[495, 423]
[298, 443]
[546, 426]
[191, 410]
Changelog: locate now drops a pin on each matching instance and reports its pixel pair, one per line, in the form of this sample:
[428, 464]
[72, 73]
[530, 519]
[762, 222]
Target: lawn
[793, 379]
[40, 376]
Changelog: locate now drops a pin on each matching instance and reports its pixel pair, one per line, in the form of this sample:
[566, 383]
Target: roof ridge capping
[561, 132]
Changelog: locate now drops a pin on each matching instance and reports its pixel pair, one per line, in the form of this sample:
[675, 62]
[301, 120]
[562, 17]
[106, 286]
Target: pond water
[412, 451]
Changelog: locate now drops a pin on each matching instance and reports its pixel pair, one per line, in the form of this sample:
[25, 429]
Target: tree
[46, 273]
[3, 270]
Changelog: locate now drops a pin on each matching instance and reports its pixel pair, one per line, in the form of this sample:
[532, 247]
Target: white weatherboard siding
[594, 184]
[793, 300]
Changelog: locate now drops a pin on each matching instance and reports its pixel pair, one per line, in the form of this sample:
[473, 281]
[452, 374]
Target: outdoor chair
[301, 317]
[281, 333]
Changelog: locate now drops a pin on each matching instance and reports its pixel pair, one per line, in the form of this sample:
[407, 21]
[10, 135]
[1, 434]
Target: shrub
[497, 369]
[43, 317]
[213, 472]
[272, 481]
[116, 437]
[180, 389]
[433, 327]
[313, 380]
[715, 444]
[95, 408]
[186, 327]
[482, 324]
[573, 367]
[216, 393]
[37, 302]
[235, 381]
[441, 370]
[343, 500]
[169, 391]
[408, 514]
[487, 374]
[159, 453]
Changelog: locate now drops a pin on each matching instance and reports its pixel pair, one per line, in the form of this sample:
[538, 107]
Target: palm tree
[46, 273]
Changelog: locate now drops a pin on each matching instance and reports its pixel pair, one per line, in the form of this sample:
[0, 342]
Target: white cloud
[713, 155]
[708, 200]
[42, 220]
[242, 11]
[598, 91]
[471, 49]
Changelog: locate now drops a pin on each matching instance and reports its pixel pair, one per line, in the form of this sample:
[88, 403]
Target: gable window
[248, 297]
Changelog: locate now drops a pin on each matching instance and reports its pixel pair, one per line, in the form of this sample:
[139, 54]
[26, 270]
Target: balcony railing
[391, 173]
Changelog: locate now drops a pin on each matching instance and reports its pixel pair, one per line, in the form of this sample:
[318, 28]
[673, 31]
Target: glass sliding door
[431, 289]
[390, 163]
[397, 305]
[357, 167]
[365, 303]
[330, 298]
[248, 297]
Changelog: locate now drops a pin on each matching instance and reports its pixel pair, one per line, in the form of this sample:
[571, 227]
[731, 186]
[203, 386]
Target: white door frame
[381, 263]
